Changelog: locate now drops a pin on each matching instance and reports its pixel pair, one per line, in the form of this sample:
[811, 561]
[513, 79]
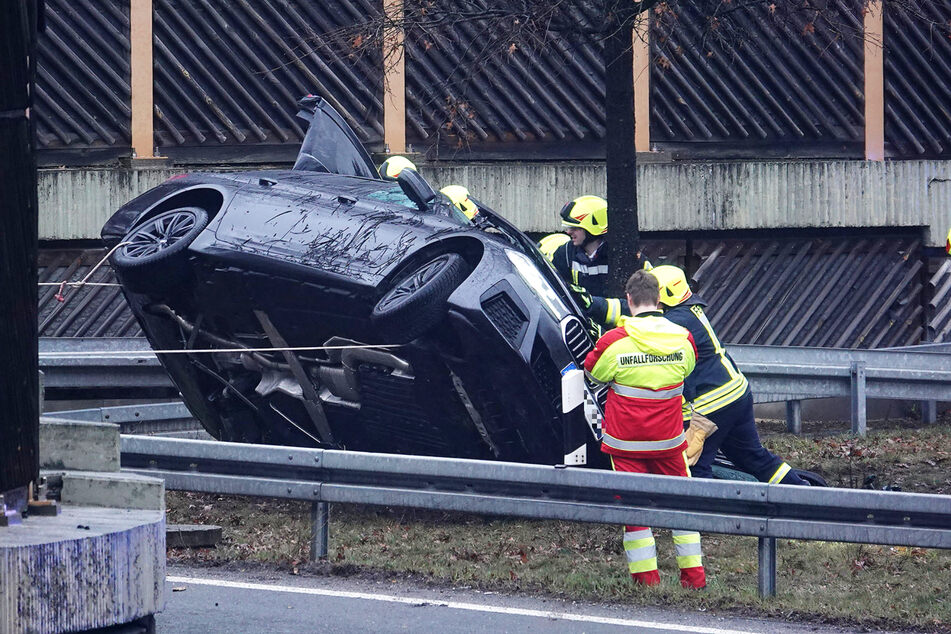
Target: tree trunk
[620, 152]
[19, 415]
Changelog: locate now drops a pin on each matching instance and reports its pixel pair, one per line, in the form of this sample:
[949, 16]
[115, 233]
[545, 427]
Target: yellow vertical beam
[394, 79]
[642, 87]
[874, 82]
[143, 138]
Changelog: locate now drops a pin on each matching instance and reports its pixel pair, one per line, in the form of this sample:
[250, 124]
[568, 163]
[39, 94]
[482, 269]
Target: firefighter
[582, 260]
[646, 361]
[459, 196]
[550, 243]
[947, 243]
[718, 390]
[390, 168]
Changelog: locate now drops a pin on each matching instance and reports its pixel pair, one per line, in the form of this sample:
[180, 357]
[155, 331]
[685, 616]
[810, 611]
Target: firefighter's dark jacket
[576, 267]
[716, 381]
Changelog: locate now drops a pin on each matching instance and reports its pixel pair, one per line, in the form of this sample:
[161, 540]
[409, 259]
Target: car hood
[354, 229]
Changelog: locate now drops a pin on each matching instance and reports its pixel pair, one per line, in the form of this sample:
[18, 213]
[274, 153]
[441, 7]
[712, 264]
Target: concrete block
[116, 490]
[86, 568]
[78, 445]
[192, 535]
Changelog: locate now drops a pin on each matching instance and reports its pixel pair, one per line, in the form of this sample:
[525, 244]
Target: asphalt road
[209, 600]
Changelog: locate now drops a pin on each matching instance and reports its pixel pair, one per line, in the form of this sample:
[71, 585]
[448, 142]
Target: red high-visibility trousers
[639, 544]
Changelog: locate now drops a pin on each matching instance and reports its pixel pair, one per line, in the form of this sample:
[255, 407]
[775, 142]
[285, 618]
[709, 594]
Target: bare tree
[495, 30]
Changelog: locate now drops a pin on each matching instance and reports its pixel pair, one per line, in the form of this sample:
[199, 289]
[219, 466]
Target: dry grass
[856, 584]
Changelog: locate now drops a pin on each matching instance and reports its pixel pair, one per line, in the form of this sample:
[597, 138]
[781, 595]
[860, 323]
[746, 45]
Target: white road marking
[457, 605]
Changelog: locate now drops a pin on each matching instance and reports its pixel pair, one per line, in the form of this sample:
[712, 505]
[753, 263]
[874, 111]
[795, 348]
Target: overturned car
[324, 306]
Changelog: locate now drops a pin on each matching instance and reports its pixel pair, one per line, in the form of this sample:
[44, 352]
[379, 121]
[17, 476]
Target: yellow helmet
[459, 196]
[674, 289]
[550, 243]
[390, 168]
[587, 212]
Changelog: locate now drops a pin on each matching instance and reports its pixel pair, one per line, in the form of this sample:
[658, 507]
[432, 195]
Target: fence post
[394, 79]
[319, 530]
[642, 92]
[141, 88]
[794, 417]
[874, 36]
[859, 422]
[929, 412]
[767, 567]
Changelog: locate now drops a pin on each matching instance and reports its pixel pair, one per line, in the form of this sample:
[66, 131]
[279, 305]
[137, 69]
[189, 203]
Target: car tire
[417, 301]
[155, 258]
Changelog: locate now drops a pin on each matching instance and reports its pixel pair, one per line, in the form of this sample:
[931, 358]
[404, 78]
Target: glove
[594, 329]
[700, 428]
[581, 295]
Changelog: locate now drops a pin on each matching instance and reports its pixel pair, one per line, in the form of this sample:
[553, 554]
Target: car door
[330, 144]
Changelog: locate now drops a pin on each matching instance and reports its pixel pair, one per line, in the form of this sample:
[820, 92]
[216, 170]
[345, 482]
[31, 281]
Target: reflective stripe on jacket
[716, 382]
[645, 360]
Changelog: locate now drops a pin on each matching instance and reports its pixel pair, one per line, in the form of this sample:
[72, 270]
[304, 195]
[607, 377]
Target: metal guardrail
[766, 511]
[790, 374]
[151, 418]
[127, 368]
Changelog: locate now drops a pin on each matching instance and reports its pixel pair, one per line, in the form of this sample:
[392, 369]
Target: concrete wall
[74, 203]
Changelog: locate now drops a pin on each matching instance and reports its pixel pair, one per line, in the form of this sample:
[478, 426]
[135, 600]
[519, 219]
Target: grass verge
[874, 586]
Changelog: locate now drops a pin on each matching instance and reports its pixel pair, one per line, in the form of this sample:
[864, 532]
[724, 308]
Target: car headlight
[537, 282]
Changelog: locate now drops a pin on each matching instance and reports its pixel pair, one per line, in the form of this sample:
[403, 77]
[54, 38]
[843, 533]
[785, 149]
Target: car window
[394, 194]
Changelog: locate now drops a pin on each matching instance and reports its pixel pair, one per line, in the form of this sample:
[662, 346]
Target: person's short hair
[642, 289]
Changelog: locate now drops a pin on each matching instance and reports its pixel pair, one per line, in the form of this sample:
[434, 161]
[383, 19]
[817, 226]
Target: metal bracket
[859, 422]
[766, 574]
[319, 530]
[794, 417]
[312, 404]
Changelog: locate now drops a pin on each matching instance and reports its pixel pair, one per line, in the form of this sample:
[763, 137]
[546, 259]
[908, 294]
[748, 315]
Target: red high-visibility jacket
[645, 360]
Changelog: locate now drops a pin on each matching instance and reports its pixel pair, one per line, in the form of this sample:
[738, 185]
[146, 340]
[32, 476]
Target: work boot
[649, 578]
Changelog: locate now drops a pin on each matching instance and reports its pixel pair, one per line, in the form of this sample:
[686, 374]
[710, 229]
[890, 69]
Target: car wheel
[417, 301]
[155, 256]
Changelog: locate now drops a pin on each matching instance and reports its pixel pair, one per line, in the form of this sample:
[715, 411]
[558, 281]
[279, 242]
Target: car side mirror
[417, 189]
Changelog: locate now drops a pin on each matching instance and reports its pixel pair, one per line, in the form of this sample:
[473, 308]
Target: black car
[327, 307]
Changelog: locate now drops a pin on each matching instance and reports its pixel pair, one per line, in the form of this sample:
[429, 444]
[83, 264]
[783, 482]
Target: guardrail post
[929, 412]
[319, 530]
[859, 422]
[41, 396]
[794, 417]
[767, 567]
